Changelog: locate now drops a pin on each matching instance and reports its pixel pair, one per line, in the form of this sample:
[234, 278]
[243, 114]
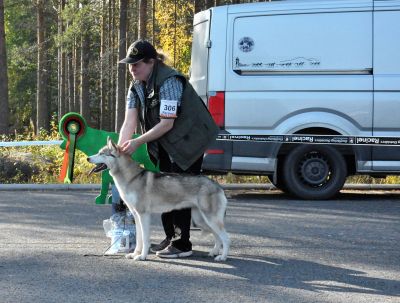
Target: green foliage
[240, 179]
[79, 19]
[42, 164]
[44, 161]
[173, 26]
[174, 36]
[20, 24]
[361, 179]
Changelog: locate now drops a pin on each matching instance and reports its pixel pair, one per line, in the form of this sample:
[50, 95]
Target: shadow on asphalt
[353, 231]
[346, 195]
[354, 205]
[296, 274]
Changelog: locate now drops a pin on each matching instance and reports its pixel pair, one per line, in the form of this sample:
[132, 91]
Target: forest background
[59, 56]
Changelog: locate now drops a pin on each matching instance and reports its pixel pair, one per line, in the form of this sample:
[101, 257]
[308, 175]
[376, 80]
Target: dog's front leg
[139, 237]
[145, 225]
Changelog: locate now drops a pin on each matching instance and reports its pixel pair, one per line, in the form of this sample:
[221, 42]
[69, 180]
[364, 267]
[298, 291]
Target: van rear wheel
[314, 172]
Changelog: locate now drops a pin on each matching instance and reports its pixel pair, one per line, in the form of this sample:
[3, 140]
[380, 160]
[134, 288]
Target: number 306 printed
[168, 108]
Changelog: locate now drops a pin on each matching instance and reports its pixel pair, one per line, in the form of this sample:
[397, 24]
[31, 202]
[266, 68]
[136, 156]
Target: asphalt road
[345, 250]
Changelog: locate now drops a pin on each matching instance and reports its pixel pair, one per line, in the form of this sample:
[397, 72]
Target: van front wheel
[314, 172]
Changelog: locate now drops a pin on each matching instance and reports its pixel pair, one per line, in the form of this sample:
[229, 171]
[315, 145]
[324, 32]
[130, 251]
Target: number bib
[168, 109]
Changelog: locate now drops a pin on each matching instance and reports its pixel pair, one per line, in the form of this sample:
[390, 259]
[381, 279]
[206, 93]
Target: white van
[301, 67]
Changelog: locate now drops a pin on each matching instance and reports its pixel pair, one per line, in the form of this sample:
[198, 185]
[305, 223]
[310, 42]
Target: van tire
[314, 172]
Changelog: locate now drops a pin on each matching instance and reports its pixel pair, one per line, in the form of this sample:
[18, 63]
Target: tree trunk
[103, 65]
[142, 19]
[198, 6]
[153, 21]
[42, 119]
[113, 64]
[63, 83]
[70, 82]
[121, 75]
[77, 64]
[210, 3]
[59, 33]
[4, 108]
[133, 20]
[61, 63]
[175, 20]
[85, 57]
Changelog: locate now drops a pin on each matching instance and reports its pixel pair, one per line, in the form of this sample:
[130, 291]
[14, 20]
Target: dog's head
[106, 157]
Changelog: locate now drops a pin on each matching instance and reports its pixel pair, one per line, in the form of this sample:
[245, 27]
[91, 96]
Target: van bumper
[218, 158]
[240, 158]
[253, 164]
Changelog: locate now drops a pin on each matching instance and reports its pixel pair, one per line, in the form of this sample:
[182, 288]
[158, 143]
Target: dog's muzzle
[98, 168]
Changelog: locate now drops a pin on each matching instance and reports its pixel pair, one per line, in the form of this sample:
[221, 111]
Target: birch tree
[4, 108]
[85, 57]
[61, 61]
[142, 19]
[42, 117]
[103, 62]
[121, 75]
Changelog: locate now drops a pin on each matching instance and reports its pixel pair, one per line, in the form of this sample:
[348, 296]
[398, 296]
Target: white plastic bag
[120, 227]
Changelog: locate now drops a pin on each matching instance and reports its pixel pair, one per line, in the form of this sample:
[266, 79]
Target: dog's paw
[213, 253]
[139, 258]
[220, 258]
[132, 255]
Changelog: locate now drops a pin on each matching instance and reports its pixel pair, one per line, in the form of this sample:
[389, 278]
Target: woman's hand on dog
[161, 128]
[130, 146]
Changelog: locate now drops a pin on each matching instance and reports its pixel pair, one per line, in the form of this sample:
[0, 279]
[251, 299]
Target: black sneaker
[163, 245]
[172, 252]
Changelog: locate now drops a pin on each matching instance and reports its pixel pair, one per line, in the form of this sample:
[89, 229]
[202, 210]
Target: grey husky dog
[145, 192]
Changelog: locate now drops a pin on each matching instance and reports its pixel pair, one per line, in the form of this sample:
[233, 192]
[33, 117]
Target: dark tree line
[61, 55]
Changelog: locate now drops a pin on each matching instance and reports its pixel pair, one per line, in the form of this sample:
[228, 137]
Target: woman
[176, 126]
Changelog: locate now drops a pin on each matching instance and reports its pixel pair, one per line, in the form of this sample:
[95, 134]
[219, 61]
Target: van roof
[296, 5]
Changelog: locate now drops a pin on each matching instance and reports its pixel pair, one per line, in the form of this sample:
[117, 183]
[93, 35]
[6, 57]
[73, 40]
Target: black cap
[139, 50]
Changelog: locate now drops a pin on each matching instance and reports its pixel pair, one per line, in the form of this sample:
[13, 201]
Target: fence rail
[233, 186]
[29, 143]
[248, 186]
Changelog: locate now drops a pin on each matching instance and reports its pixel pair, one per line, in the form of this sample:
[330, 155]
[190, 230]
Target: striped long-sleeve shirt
[171, 89]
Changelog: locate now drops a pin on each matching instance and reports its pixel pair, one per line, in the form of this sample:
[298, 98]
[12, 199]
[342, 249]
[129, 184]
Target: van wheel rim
[314, 169]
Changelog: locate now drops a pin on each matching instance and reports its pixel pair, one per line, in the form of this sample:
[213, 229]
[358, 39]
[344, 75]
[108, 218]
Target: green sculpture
[77, 134]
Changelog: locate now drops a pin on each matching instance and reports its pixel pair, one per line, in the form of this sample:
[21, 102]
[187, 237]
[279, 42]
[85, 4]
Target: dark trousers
[178, 218]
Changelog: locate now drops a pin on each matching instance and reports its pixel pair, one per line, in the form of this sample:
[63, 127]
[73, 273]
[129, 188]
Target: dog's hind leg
[205, 229]
[225, 245]
[197, 217]
[217, 246]
[221, 236]
[215, 220]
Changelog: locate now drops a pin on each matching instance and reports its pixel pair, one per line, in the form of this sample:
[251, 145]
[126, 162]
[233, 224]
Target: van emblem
[246, 44]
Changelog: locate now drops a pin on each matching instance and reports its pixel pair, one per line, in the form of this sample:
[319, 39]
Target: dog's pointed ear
[110, 143]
